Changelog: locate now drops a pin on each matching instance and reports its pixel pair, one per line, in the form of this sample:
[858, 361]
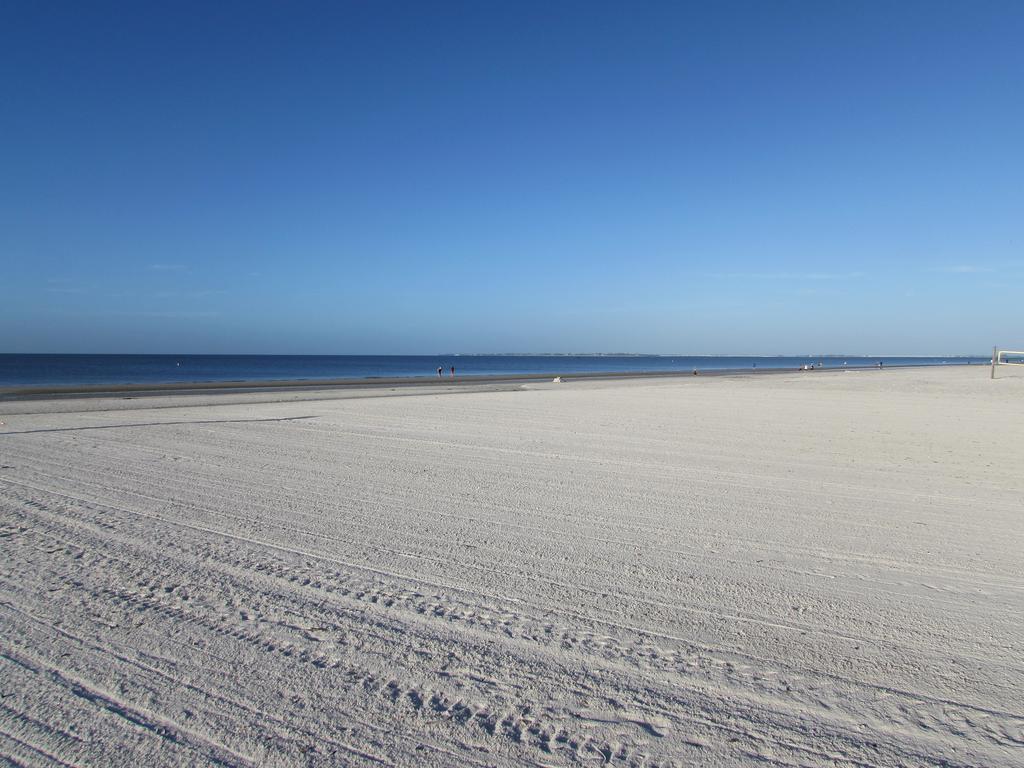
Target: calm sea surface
[70, 370]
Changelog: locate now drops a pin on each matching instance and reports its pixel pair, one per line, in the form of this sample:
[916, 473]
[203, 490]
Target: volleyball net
[1005, 357]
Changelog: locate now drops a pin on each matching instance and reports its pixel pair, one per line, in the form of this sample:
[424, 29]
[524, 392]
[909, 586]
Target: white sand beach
[798, 569]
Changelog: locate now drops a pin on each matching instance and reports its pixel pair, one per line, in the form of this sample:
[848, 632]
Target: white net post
[1011, 357]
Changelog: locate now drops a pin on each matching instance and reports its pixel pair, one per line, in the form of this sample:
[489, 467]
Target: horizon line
[496, 354]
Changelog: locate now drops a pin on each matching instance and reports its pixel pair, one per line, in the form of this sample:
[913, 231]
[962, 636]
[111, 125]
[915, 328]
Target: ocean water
[73, 370]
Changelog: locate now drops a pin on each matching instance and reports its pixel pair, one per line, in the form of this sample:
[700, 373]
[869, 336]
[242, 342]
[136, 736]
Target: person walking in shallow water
[439, 371]
[453, 371]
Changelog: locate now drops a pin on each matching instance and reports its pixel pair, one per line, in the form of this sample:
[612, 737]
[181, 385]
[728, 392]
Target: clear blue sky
[727, 177]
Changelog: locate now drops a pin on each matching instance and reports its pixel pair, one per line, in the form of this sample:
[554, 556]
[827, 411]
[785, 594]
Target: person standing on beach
[439, 371]
[453, 371]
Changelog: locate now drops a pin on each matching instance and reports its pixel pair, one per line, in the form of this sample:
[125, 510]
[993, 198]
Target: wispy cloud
[165, 315]
[788, 275]
[161, 315]
[65, 285]
[194, 294]
[962, 269]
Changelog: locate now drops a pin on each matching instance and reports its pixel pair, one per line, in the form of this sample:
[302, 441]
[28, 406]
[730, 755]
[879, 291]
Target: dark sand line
[305, 385]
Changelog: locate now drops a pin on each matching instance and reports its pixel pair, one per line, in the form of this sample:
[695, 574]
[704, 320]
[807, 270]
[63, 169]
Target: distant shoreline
[284, 385]
[828, 356]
